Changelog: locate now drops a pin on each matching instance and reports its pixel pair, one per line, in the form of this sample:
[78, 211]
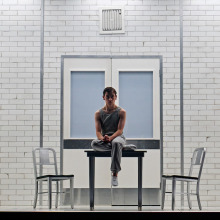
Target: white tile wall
[72, 27]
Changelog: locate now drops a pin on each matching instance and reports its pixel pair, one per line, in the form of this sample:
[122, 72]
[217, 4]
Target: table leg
[91, 181]
[49, 192]
[139, 183]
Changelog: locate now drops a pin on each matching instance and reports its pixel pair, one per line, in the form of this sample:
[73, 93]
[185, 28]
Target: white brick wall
[201, 103]
[72, 27]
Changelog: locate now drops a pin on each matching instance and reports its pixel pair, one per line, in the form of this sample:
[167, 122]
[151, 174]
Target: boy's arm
[98, 126]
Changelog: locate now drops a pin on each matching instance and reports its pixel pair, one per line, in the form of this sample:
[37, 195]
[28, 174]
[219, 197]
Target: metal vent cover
[112, 20]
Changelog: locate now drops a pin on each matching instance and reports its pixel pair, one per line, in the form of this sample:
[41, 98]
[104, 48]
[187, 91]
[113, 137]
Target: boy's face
[110, 98]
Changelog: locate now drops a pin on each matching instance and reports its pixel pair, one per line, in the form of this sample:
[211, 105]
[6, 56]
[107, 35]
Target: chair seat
[180, 177]
[55, 177]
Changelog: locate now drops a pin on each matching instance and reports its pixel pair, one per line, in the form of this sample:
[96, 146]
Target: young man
[109, 124]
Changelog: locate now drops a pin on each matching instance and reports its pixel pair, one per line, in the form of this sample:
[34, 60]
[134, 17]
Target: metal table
[127, 153]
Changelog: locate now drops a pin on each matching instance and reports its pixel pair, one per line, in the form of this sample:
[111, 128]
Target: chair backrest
[197, 160]
[42, 157]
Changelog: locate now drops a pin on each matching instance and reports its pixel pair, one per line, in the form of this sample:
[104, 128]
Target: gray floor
[105, 209]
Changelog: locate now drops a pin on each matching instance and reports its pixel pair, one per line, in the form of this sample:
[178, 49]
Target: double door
[137, 82]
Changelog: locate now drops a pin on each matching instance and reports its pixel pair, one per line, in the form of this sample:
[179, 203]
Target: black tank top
[109, 121]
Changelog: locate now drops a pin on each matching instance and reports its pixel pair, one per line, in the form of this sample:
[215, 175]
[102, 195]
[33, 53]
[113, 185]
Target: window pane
[86, 98]
[136, 97]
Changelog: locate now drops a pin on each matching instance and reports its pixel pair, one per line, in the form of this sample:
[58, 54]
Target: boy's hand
[106, 138]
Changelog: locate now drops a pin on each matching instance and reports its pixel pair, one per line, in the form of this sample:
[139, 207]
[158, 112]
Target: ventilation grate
[111, 20]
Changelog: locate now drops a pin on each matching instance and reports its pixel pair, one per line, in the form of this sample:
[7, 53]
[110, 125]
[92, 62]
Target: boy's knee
[117, 143]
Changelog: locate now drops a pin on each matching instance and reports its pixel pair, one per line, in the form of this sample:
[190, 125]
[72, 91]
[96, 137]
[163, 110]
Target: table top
[125, 153]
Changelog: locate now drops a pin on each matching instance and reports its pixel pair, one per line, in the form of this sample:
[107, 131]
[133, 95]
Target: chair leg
[71, 193]
[198, 198]
[49, 193]
[163, 192]
[173, 193]
[57, 192]
[36, 194]
[188, 195]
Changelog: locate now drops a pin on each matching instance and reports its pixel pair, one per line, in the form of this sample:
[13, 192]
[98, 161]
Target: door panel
[150, 90]
[82, 93]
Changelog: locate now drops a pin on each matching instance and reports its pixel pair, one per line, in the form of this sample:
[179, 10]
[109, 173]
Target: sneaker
[114, 181]
[129, 147]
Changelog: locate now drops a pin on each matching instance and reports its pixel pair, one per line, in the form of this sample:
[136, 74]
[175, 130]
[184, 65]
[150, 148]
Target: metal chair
[197, 161]
[46, 158]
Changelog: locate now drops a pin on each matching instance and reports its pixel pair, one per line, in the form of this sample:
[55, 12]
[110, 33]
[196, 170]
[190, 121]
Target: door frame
[159, 57]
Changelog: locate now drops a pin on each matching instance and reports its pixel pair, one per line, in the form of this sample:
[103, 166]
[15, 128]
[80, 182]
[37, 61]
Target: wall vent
[112, 20]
